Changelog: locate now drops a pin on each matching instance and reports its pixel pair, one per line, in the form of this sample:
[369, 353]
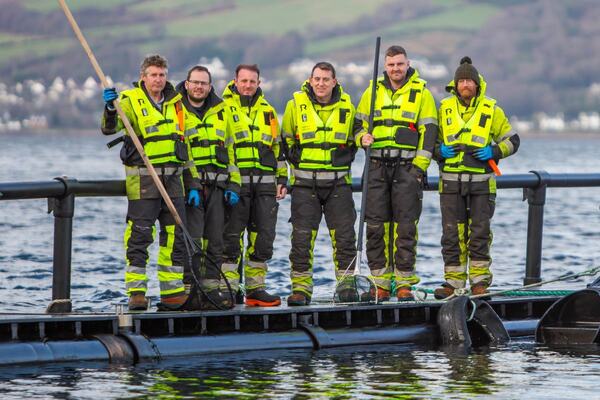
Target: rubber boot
[261, 298]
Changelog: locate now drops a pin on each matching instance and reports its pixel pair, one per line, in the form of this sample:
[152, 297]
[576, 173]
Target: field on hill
[35, 31]
[538, 55]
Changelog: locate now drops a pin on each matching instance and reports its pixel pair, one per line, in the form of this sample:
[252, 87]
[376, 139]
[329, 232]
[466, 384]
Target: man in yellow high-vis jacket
[402, 143]
[318, 132]
[473, 131]
[209, 132]
[262, 166]
[154, 109]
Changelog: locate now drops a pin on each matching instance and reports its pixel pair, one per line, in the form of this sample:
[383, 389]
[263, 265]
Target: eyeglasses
[198, 83]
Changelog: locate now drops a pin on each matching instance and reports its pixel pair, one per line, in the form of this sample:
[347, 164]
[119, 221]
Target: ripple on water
[91, 238]
[106, 295]
[31, 288]
[32, 257]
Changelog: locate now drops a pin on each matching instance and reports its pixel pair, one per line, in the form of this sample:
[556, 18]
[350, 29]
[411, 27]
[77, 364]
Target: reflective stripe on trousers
[139, 235]
[394, 203]
[308, 207]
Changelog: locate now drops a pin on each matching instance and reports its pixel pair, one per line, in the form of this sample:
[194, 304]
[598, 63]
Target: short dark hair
[249, 67]
[199, 68]
[325, 66]
[154, 60]
[395, 50]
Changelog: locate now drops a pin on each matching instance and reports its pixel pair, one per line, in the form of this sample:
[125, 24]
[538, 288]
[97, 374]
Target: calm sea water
[571, 233]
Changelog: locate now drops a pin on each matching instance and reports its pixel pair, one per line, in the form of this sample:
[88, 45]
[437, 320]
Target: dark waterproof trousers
[139, 235]
[308, 205]
[256, 212]
[467, 210]
[394, 204]
[206, 225]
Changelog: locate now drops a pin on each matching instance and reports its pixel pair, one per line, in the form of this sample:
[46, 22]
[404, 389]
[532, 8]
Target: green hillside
[538, 55]
[332, 28]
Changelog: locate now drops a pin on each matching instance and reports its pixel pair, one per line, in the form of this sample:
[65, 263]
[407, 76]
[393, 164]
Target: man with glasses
[209, 133]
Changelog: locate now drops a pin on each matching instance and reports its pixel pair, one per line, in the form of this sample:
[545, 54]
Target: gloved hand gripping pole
[193, 247]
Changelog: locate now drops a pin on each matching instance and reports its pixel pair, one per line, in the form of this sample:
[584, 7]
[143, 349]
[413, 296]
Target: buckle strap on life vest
[388, 122]
[159, 138]
[195, 142]
[465, 177]
[319, 175]
[393, 153]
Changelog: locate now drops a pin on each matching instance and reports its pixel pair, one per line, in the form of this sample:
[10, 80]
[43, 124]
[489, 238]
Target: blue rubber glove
[231, 197]
[109, 95]
[484, 154]
[194, 198]
[447, 151]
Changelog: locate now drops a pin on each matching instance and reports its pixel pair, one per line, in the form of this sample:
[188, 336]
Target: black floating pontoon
[130, 338]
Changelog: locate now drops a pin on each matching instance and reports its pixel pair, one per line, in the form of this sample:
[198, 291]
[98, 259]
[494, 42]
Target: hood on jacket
[411, 74]
[231, 91]
[336, 94]
[211, 100]
[168, 92]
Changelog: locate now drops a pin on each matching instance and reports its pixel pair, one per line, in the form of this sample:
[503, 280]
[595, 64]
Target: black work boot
[137, 301]
[261, 298]
[216, 300]
[298, 299]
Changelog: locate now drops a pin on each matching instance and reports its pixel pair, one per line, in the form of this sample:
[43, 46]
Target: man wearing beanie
[474, 133]
[405, 129]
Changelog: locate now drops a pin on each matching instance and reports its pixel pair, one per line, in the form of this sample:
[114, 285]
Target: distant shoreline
[560, 135]
[528, 135]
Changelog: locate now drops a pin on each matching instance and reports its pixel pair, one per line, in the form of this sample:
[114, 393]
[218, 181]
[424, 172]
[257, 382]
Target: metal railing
[61, 193]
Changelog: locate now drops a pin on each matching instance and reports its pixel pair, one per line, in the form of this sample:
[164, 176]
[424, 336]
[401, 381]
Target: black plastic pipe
[15, 353]
[536, 198]
[129, 348]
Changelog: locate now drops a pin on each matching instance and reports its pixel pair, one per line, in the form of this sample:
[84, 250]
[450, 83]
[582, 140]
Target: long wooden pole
[128, 127]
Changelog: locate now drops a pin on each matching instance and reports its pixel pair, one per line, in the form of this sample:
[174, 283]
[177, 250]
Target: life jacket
[159, 131]
[395, 117]
[254, 131]
[467, 135]
[319, 139]
[207, 137]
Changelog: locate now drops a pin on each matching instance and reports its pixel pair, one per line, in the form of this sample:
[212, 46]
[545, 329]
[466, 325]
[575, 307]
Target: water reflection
[398, 372]
[470, 370]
